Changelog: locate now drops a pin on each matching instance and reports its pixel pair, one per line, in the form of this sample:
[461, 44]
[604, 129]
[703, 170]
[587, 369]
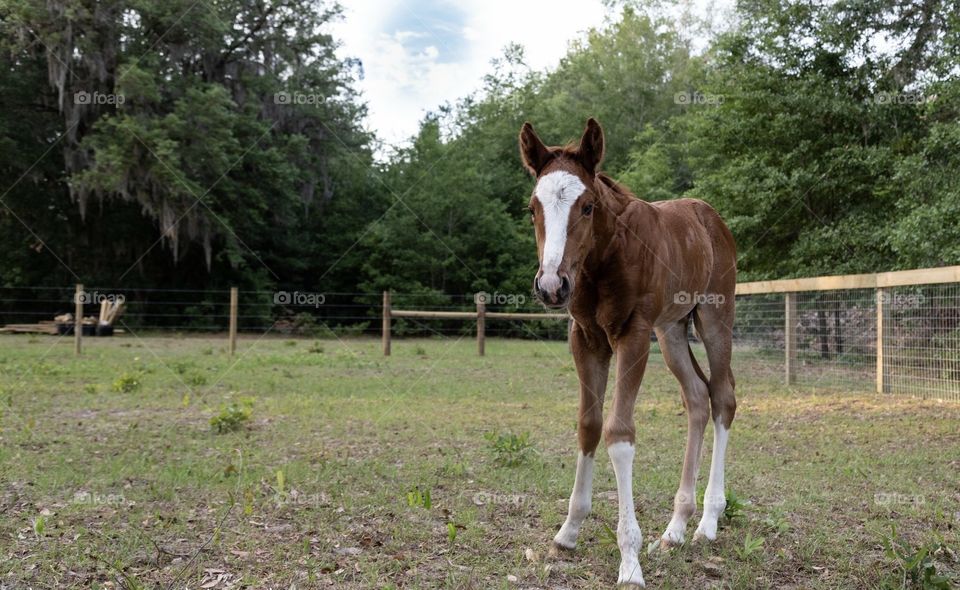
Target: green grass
[325, 482]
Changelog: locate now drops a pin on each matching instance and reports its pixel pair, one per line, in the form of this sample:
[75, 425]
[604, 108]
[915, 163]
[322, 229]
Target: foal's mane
[570, 152]
[615, 186]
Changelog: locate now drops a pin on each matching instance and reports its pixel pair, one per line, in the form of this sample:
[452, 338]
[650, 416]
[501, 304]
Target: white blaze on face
[557, 192]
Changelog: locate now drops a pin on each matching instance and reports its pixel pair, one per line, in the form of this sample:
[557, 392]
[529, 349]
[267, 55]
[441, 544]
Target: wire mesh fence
[859, 331]
[897, 339]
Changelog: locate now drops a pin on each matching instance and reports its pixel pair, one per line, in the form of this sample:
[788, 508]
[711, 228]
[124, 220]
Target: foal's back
[679, 246]
[685, 217]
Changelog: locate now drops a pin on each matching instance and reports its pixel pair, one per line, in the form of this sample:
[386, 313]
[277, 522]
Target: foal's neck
[612, 200]
[612, 203]
[611, 220]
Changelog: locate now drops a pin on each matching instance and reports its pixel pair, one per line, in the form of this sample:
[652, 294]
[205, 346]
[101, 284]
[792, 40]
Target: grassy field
[350, 470]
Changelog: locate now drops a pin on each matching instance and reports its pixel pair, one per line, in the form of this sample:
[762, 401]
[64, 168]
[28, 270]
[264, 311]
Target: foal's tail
[693, 360]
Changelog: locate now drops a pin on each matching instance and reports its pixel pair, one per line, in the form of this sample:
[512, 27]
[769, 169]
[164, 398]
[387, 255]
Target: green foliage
[196, 380]
[914, 567]
[419, 498]
[510, 449]
[128, 383]
[777, 523]
[802, 142]
[232, 416]
[751, 546]
[608, 538]
[199, 119]
[735, 507]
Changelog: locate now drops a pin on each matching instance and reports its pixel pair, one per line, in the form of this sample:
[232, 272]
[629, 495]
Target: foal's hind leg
[715, 325]
[676, 353]
[592, 357]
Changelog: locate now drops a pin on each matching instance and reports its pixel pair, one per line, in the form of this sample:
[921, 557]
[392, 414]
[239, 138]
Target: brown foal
[625, 267]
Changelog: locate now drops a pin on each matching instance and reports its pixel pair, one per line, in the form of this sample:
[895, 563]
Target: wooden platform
[46, 327]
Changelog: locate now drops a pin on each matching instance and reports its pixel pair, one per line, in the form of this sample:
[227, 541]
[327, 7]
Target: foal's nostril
[564, 288]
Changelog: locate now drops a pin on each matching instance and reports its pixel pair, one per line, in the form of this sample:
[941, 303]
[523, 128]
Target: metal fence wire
[901, 339]
[287, 312]
[890, 332]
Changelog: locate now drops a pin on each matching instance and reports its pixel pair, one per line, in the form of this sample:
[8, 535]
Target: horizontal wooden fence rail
[926, 366]
[899, 278]
[480, 315]
[900, 328]
[895, 332]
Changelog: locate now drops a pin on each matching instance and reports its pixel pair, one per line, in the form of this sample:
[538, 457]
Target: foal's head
[561, 207]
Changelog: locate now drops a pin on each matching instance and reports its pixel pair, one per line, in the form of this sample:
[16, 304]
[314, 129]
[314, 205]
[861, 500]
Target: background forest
[142, 149]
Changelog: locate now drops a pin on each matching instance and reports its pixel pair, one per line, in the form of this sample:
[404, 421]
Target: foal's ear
[532, 151]
[591, 146]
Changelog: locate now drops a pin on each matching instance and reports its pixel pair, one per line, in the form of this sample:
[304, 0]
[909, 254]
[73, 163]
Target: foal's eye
[587, 209]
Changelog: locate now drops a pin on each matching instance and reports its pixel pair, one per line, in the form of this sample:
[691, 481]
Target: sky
[419, 54]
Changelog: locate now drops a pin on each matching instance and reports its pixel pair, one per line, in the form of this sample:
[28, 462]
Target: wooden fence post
[234, 304]
[790, 338]
[883, 383]
[386, 323]
[481, 324]
[78, 320]
[570, 334]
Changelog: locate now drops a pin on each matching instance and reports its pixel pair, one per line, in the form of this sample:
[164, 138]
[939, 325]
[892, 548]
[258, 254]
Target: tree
[230, 126]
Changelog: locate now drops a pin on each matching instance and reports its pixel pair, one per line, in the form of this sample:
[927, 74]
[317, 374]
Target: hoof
[667, 544]
[670, 539]
[630, 577]
[559, 550]
[706, 531]
[704, 536]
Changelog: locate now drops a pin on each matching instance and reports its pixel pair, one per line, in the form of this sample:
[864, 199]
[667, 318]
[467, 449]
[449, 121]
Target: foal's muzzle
[552, 290]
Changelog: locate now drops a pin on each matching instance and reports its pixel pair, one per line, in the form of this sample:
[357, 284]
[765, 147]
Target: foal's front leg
[619, 433]
[592, 357]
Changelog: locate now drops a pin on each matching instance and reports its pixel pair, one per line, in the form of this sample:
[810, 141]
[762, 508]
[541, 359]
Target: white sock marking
[714, 497]
[628, 531]
[676, 530]
[580, 503]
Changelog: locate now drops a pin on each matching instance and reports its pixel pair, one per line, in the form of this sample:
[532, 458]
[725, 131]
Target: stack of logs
[64, 323]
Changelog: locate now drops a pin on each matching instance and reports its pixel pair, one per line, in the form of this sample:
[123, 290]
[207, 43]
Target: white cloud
[404, 80]
[418, 55]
